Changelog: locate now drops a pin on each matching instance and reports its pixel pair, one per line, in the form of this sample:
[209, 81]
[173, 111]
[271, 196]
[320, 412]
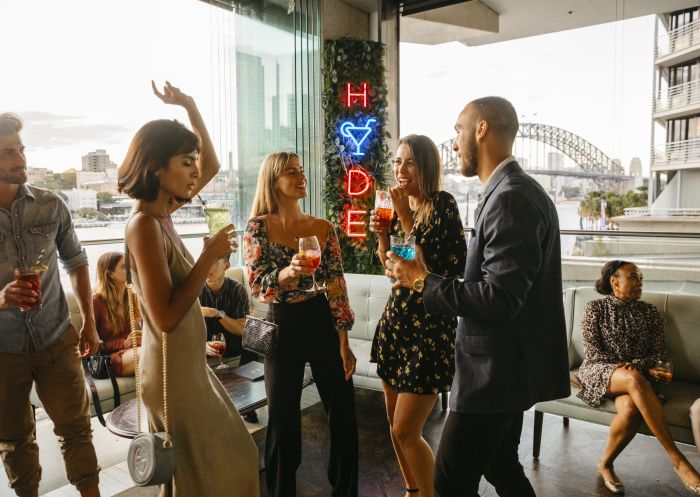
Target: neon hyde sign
[357, 134]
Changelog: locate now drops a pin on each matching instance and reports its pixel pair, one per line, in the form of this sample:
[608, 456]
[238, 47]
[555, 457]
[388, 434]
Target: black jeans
[481, 444]
[307, 334]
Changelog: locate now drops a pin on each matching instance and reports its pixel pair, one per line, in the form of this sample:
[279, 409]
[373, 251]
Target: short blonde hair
[266, 199]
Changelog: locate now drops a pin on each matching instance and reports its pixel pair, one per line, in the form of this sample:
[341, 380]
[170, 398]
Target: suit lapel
[511, 167]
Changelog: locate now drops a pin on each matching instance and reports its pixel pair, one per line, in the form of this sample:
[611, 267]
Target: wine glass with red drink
[310, 250]
[218, 342]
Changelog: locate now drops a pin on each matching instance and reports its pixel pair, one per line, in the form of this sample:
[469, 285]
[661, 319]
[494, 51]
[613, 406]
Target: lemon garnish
[40, 268]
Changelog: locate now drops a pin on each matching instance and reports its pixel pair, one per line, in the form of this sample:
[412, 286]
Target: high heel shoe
[695, 489]
[616, 487]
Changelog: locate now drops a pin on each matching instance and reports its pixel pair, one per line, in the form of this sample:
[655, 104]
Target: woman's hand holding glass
[221, 244]
[662, 371]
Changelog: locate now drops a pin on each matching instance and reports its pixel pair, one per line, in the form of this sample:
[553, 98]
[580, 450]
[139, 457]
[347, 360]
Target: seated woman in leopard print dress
[624, 338]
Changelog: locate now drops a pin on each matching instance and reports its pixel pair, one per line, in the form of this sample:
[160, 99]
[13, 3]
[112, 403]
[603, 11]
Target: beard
[14, 177]
[468, 160]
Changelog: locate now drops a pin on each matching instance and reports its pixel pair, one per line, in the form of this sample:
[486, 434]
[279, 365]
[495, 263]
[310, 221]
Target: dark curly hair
[602, 285]
[151, 149]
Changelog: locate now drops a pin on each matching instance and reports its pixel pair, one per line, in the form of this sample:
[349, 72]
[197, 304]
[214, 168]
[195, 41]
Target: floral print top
[265, 259]
[615, 332]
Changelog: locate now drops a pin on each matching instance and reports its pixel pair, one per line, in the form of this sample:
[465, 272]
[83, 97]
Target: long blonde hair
[266, 199]
[426, 157]
[117, 305]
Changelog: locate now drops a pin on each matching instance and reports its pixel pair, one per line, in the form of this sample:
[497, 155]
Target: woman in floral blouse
[414, 350]
[623, 337]
[313, 326]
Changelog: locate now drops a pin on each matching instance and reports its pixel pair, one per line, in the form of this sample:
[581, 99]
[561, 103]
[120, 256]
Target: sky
[595, 82]
[83, 82]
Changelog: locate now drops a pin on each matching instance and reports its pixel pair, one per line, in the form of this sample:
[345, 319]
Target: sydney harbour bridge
[533, 140]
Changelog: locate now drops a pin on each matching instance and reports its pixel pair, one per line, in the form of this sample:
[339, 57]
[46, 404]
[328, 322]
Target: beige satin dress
[215, 454]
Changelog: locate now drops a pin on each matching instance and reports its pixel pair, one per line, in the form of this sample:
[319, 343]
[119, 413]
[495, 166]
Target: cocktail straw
[38, 259]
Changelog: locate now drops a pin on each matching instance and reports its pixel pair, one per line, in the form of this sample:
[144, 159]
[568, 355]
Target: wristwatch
[222, 314]
[419, 283]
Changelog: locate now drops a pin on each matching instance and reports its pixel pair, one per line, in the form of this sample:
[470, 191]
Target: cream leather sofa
[681, 316]
[368, 296]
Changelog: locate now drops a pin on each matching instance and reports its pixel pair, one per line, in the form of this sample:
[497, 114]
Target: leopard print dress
[616, 332]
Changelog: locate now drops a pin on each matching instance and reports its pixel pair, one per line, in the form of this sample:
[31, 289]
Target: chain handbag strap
[131, 295]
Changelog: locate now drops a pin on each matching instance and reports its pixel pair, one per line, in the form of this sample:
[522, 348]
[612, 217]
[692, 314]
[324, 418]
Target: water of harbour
[568, 219]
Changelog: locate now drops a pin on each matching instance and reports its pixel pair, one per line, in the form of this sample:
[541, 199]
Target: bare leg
[695, 422]
[622, 430]
[411, 413]
[633, 383]
[391, 397]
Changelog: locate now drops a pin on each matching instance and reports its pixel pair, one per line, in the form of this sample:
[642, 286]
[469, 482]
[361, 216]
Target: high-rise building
[636, 167]
[555, 161]
[97, 161]
[675, 160]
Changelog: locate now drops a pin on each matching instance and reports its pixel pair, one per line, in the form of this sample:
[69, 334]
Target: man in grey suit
[511, 349]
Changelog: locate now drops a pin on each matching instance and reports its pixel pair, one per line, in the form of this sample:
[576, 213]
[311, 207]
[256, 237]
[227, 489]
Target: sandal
[616, 487]
[695, 489]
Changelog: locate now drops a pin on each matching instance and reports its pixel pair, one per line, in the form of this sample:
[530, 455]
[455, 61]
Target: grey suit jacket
[511, 348]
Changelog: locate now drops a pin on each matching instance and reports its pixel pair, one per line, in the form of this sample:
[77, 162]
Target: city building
[97, 161]
[675, 158]
[78, 198]
[38, 175]
[555, 161]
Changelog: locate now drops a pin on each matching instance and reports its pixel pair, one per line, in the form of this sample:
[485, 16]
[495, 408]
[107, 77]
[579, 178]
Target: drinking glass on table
[383, 208]
[218, 342]
[310, 250]
[33, 276]
[665, 371]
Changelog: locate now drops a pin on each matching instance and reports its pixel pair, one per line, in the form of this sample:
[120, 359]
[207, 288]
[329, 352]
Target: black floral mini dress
[414, 350]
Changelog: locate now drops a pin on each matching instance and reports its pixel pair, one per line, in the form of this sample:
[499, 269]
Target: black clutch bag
[260, 336]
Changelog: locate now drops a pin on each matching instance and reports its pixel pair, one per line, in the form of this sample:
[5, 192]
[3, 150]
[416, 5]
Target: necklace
[210, 294]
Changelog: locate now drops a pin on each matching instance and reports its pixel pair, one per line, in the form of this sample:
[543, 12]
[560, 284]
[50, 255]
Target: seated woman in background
[624, 338]
[112, 313]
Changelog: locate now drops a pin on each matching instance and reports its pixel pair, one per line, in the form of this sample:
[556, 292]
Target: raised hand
[172, 95]
[221, 244]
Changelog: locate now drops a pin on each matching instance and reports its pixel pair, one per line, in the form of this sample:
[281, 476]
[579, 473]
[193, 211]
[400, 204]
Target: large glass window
[82, 87]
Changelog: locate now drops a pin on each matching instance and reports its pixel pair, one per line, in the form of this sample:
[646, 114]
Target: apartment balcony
[673, 156]
[677, 101]
[678, 46]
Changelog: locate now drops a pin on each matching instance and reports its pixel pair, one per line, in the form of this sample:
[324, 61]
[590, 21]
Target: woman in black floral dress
[414, 350]
[623, 338]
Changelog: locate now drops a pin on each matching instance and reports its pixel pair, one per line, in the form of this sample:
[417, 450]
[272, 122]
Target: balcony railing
[677, 153]
[646, 211]
[679, 39]
[677, 97]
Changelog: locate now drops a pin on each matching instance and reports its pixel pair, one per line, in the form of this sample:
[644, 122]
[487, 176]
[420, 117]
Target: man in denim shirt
[37, 343]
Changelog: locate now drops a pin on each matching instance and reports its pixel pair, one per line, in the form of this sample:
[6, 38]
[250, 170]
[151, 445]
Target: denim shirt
[39, 220]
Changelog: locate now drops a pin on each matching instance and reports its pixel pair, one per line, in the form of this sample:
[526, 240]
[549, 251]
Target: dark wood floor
[566, 467]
